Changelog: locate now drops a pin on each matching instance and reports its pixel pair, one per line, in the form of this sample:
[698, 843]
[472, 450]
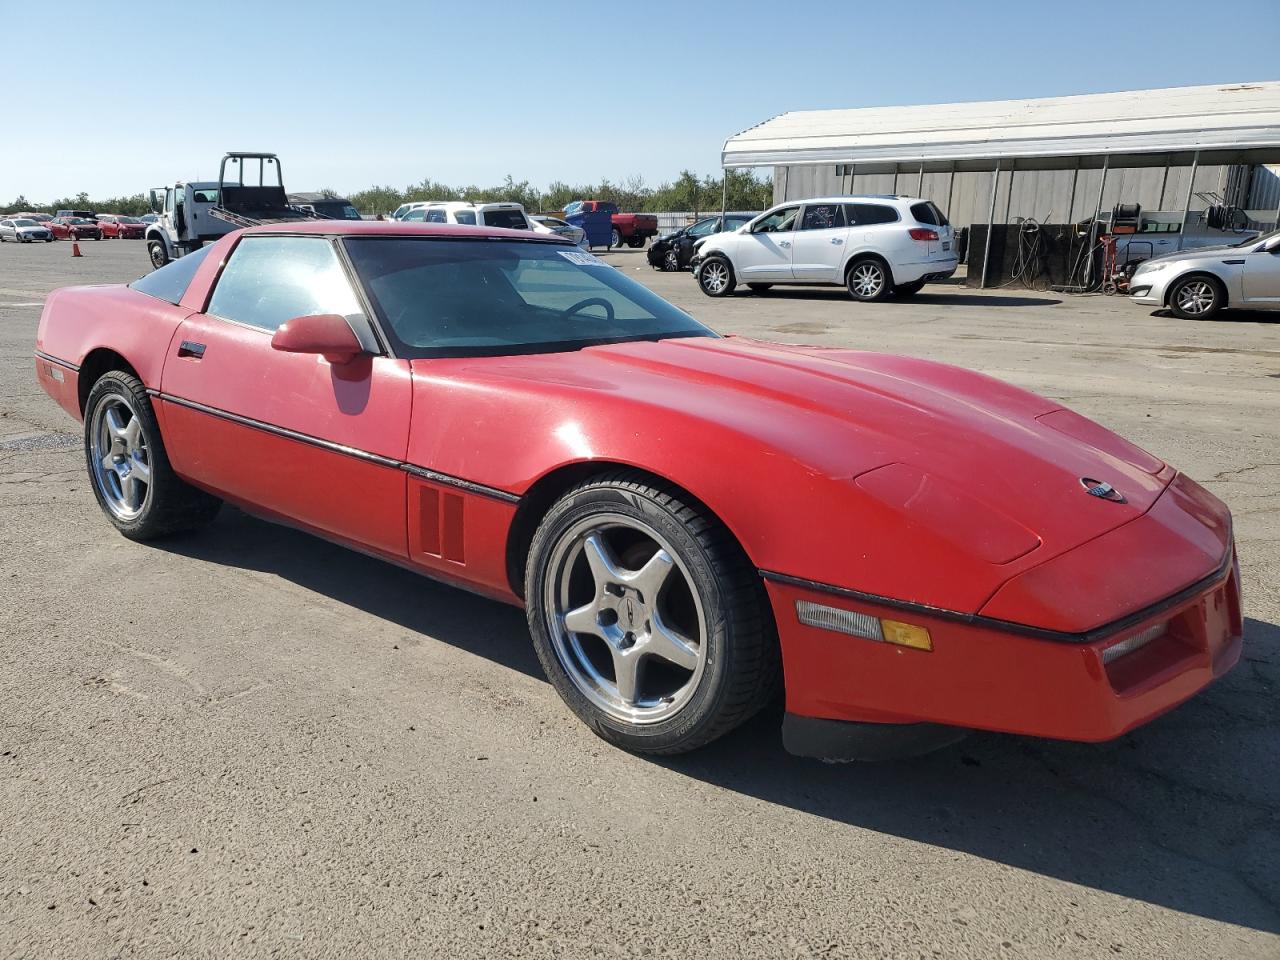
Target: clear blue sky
[126, 95]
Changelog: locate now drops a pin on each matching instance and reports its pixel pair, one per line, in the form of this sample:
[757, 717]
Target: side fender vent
[440, 523]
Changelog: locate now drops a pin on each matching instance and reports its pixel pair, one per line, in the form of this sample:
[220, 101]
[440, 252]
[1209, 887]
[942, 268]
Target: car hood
[1192, 252]
[930, 443]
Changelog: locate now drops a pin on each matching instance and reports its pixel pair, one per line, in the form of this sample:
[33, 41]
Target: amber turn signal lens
[906, 635]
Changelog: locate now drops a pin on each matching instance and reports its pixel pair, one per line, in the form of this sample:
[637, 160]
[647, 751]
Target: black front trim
[845, 741]
[73, 367]
[470, 486]
[1008, 626]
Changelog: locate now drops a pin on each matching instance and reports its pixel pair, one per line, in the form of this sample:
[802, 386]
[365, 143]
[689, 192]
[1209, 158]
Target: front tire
[158, 254]
[647, 616]
[715, 277]
[671, 260]
[129, 469]
[868, 280]
[1196, 298]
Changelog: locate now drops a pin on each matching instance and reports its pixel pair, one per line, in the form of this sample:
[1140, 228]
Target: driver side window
[269, 280]
[778, 221]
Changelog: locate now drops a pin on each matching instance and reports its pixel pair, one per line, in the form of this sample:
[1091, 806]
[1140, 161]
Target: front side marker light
[906, 635]
[863, 625]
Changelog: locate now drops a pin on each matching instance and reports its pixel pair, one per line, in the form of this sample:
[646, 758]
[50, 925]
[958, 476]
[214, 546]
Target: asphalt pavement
[249, 742]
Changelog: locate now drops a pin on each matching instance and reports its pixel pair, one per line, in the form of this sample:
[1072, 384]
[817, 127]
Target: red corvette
[687, 518]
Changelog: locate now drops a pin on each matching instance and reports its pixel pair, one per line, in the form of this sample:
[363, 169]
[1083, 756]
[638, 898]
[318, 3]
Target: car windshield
[452, 297]
[127, 220]
[24, 223]
[79, 220]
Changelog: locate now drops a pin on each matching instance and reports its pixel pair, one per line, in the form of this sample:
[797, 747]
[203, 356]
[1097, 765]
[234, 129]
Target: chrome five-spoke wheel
[628, 624]
[120, 459]
[646, 614]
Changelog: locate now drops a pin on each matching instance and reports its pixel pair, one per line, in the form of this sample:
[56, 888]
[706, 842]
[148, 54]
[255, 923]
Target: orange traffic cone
[75, 248]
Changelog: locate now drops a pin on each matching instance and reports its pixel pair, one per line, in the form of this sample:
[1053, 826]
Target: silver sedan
[1197, 284]
[541, 224]
[23, 230]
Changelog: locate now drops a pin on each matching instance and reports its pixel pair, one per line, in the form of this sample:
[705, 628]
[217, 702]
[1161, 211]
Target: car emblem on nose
[1102, 490]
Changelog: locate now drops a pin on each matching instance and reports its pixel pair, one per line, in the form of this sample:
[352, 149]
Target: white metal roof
[1236, 116]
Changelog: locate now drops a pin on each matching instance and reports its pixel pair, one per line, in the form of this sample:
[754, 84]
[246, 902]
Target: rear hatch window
[510, 219]
[927, 212]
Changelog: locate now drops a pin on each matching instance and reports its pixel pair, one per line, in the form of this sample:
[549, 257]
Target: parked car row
[509, 216]
[632, 229]
[72, 225]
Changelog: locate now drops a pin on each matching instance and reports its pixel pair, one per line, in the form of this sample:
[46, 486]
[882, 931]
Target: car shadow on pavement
[1183, 813]
[487, 628]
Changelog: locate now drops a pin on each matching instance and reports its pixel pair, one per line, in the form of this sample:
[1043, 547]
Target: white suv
[874, 246]
[511, 216]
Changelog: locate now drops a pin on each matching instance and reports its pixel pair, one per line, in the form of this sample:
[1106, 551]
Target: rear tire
[615, 239]
[129, 469]
[868, 280]
[715, 276]
[635, 243]
[1197, 297]
[631, 566]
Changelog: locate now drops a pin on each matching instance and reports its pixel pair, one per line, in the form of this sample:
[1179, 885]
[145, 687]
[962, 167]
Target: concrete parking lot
[250, 742]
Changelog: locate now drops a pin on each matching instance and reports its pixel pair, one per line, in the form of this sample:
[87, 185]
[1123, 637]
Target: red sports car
[115, 226]
[912, 550]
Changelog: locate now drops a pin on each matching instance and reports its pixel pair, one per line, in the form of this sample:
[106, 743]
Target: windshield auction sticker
[582, 258]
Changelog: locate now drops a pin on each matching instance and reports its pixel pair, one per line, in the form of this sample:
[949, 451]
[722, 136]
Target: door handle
[837, 240]
[784, 243]
[190, 348]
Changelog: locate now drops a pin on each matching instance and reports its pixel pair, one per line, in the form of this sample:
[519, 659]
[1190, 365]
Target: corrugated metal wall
[1042, 194]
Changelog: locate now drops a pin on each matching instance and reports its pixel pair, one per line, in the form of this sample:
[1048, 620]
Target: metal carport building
[1179, 151]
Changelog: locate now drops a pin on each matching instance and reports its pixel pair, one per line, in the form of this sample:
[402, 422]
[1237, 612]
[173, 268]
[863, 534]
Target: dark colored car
[325, 207]
[674, 251]
[75, 228]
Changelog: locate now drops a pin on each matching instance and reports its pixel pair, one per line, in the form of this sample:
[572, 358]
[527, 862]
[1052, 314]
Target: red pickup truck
[633, 229]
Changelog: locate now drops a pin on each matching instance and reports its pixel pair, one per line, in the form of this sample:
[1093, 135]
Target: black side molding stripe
[1008, 626]
[470, 486]
[73, 367]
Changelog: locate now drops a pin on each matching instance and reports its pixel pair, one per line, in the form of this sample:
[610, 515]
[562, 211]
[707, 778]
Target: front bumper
[1037, 658]
[981, 677]
[1150, 289]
